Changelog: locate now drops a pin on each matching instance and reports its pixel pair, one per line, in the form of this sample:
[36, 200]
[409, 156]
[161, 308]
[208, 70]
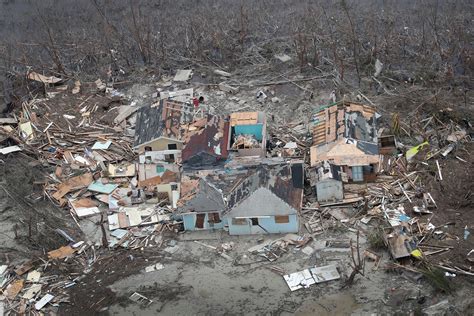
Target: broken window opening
[162, 196]
[200, 220]
[282, 219]
[214, 218]
[239, 221]
[172, 146]
[169, 158]
[174, 187]
[254, 221]
[369, 169]
[148, 148]
[387, 141]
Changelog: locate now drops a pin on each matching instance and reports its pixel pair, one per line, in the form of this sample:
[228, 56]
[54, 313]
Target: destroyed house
[248, 133]
[155, 163]
[160, 127]
[206, 142]
[260, 200]
[162, 187]
[326, 179]
[345, 134]
[201, 204]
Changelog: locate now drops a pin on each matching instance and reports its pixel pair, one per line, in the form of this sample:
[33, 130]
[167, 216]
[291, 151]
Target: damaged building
[345, 135]
[248, 133]
[206, 142]
[263, 199]
[160, 127]
[327, 181]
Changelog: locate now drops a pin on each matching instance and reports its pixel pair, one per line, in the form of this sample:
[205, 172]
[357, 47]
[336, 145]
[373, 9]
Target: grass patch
[437, 279]
[376, 240]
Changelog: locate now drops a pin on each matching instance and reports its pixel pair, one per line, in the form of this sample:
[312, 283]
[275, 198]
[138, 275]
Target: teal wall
[255, 129]
[268, 223]
[189, 221]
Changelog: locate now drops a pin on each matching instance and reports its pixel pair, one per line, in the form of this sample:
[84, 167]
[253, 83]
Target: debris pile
[170, 166]
[398, 202]
[36, 286]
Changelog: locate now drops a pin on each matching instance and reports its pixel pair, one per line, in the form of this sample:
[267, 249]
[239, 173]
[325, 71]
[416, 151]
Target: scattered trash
[26, 131]
[183, 75]
[43, 301]
[171, 250]
[100, 85]
[261, 96]
[325, 273]
[307, 250]
[378, 67]
[10, 149]
[102, 145]
[308, 277]
[414, 150]
[437, 309]
[77, 87]
[126, 177]
[222, 73]
[283, 57]
[299, 280]
[43, 79]
[137, 297]
[154, 267]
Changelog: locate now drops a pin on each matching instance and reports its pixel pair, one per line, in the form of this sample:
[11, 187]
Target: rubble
[308, 277]
[174, 166]
[183, 75]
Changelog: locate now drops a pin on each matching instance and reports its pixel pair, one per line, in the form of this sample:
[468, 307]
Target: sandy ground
[197, 281]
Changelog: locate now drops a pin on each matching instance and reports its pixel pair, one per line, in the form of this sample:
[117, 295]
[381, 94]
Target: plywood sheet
[243, 118]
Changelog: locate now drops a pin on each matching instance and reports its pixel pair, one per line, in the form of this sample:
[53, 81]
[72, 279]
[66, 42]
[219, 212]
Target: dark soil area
[33, 218]
[91, 294]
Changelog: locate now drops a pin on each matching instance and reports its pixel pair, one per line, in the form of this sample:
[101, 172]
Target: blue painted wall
[189, 221]
[254, 129]
[268, 223]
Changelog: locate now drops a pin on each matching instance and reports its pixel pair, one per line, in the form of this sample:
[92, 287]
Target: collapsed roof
[228, 188]
[164, 120]
[206, 138]
[345, 134]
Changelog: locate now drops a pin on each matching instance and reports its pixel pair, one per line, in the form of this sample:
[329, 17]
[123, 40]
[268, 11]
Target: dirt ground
[195, 280]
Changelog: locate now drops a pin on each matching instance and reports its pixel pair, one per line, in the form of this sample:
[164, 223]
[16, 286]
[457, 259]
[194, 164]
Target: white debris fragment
[183, 75]
[283, 57]
[378, 68]
[222, 73]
